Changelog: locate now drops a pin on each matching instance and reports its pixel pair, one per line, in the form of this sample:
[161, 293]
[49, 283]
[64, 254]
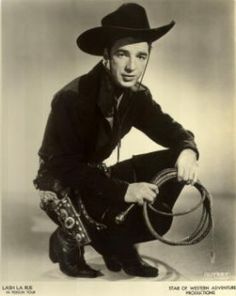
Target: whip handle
[122, 216]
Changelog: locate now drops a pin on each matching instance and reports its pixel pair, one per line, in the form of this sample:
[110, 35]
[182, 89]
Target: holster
[56, 201]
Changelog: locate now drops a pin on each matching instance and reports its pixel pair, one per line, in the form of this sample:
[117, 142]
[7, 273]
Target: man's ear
[106, 59]
[105, 54]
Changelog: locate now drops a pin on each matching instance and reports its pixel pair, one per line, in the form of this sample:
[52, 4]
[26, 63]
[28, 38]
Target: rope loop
[206, 220]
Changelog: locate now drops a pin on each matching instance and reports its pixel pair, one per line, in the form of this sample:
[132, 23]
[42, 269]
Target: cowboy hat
[129, 20]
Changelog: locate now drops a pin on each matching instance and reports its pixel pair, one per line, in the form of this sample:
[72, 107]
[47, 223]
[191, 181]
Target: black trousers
[140, 168]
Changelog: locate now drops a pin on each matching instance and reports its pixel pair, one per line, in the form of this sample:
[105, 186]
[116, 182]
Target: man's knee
[149, 164]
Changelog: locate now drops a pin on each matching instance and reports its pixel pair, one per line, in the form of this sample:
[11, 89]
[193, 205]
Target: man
[88, 119]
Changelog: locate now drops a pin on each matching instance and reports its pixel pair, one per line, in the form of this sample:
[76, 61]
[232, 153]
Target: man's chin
[128, 84]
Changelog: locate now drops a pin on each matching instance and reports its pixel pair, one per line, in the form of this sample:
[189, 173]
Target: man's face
[127, 61]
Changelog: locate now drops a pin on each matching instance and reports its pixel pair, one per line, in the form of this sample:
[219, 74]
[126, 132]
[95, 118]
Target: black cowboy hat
[129, 20]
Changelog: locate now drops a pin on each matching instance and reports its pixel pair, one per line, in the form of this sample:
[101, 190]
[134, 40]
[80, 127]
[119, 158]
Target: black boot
[112, 263]
[139, 268]
[133, 265]
[65, 250]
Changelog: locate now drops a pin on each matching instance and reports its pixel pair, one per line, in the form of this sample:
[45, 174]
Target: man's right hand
[140, 192]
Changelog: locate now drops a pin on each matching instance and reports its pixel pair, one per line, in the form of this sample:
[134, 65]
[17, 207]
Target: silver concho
[69, 222]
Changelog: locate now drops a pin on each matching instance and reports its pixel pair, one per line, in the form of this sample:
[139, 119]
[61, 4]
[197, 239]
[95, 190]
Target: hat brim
[95, 40]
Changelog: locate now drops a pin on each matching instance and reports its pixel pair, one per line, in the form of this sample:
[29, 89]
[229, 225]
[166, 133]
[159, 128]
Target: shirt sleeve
[160, 127]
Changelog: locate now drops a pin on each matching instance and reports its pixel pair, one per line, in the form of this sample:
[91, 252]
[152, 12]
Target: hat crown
[130, 15]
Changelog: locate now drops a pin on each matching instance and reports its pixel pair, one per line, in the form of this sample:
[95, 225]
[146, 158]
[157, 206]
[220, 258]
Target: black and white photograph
[118, 147]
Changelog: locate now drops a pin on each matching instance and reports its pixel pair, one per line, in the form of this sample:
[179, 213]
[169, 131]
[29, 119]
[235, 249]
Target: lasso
[205, 222]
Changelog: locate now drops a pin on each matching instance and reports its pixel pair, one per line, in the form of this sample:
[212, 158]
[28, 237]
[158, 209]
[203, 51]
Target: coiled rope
[206, 220]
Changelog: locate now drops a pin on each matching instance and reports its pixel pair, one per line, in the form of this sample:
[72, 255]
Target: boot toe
[80, 271]
[141, 269]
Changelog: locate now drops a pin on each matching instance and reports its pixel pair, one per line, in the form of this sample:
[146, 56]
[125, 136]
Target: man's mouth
[128, 77]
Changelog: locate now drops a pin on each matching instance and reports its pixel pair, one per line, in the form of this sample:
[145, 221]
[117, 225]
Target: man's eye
[120, 54]
[142, 57]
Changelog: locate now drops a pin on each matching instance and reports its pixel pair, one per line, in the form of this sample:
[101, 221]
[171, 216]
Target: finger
[187, 177]
[140, 203]
[180, 174]
[192, 175]
[152, 192]
[156, 190]
[144, 194]
[195, 176]
[139, 199]
[150, 196]
[152, 186]
[188, 173]
[147, 193]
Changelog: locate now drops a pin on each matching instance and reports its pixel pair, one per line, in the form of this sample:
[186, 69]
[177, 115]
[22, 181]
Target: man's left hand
[187, 166]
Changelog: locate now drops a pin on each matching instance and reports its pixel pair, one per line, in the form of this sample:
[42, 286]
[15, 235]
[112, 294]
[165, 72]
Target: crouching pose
[88, 119]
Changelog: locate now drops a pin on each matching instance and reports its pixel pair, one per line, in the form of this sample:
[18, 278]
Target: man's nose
[130, 66]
